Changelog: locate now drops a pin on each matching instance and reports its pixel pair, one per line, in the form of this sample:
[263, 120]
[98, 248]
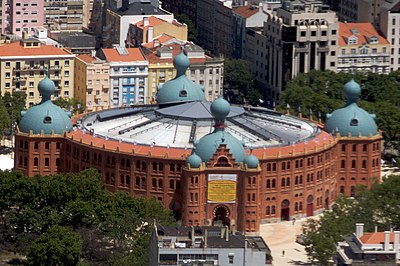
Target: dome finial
[352, 91]
[46, 87]
[181, 63]
[220, 109]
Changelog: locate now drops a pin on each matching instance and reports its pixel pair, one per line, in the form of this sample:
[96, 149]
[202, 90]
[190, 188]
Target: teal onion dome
[45, 117]
[251, 161]
[220, 109]
[180, 89]
[46, 88]
[352, 91]
[351, 119]
[194, 160]
[208, 145]
[181, 64]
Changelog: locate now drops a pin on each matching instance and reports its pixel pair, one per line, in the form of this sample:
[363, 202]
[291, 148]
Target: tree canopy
[110, 225]
[70, 104]
[378, 206]
[58, 246]
[239, 83]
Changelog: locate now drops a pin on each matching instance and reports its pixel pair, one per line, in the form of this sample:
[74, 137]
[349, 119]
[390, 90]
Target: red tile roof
[86, 58]
[154, 21]
[246, 11]
[134, 54]
[154, 59]
[376, 238]
[366, 30]
[161, 40]
[16, 49]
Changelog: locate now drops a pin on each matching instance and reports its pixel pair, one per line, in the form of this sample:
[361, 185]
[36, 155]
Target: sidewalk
[282, 236]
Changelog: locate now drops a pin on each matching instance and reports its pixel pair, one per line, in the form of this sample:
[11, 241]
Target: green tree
[238, 79]
[70, 104]
[58, 246]
[14, 104]
[192, 31]
[5, 122]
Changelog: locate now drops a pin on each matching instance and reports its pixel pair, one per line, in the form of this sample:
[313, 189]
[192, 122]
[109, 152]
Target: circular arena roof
[181, 125]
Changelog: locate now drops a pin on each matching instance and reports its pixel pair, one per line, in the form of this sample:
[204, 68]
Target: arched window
[300, 206]
[122, 180]
[222, 162]
[296, 206]
[283, 165]
[36, 162]
[268, 210]
[273, 183]
[160, 183]
[143, 184]
[353, 164]
[268, 183]
[288, 182]
[154, 183]
[296, 180]
[352, 191]
[343, 164]
[46, 162]
[272, 209]
[283, 182]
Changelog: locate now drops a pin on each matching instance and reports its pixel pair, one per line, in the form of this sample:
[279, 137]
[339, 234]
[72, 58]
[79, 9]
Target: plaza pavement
[282, 236]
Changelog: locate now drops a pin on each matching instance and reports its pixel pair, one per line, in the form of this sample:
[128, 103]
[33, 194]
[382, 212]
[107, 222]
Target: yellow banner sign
[222, 189]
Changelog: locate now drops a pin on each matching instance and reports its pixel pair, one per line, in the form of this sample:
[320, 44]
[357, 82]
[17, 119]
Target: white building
[390, 28]
[128, 75]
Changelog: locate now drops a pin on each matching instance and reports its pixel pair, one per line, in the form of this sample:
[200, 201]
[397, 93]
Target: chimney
[359, 230]
[205, 238]
[387, 241]
[192, 235]
[24, 35]
[222, 232]
[396, 243]
[150, 34]
[226, 233]
[145, 21]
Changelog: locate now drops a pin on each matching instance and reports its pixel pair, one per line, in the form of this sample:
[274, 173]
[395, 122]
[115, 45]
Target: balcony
[19, 79]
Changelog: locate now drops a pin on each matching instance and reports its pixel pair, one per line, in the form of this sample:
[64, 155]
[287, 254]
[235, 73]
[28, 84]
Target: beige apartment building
[63, 15]
[92, 82]
[362, 48]
[23, 64]
[301, 36]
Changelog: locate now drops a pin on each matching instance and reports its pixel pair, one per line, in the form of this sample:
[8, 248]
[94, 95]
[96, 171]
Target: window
[313, 33]
[47, 120]
[323, 33]
[8, 64]
[66, 73]
[333, 42]
[333, 32]
[354, 122]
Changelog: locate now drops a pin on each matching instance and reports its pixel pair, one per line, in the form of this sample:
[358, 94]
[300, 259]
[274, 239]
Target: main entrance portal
[221, 216]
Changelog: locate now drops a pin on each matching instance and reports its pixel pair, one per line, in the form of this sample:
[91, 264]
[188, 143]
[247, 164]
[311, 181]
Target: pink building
[21, 16]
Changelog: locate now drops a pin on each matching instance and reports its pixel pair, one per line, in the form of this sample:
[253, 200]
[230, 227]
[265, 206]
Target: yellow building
[148, 28]
[23, 64]
[92, 82]
[362, 48]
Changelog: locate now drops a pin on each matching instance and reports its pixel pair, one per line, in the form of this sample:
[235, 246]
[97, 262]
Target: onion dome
[208, 144]
[351, 119]
[194, 160]
[352, 91]
[220, 109]
[46, 116]
[251, 161]
[180, 89]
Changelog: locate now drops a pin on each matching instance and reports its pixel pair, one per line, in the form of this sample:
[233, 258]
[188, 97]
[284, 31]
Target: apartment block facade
[23, 64]
[362, 48]
[21, 16]
[92, 82]
[128, 75]
[390, 28]
[63, 15]
[301, 36]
